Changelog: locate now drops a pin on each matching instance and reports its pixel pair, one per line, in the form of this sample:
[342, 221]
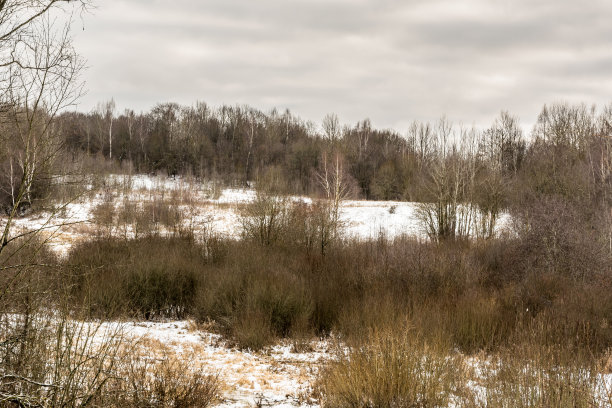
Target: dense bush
[150, 277]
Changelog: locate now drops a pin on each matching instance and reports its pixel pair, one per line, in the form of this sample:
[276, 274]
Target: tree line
[239, 144]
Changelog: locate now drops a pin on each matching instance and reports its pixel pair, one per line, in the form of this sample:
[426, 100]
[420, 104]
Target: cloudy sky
[388, 60]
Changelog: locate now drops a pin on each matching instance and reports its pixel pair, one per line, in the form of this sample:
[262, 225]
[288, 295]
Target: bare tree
[45, 81]
[331, 127]
[364, 130]
[567, 126]
[46, 361]
[602, 166]
[130, 117]
[500, 153]
[503, 144]
[105, 112]
[250, 137]
[337, 187]
[420, 139]
[449, 213]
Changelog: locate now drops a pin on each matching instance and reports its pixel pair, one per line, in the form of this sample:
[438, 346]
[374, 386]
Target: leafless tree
[564, 125]
[331, 127]
[105, 112]
[503, 144]
[450, 212]
[364, 130]
[337, 187]
[39, 77]
[420, 139]
[500, 153]
[45, 81]
[602, 166]
[250, 137]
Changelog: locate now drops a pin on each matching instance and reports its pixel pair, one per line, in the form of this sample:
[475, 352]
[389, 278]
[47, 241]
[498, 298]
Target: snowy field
[204, 209]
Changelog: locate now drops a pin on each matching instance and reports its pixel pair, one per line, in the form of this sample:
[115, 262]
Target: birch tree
[42, 79]
[336, 187]
[105, 113]
[449, 212]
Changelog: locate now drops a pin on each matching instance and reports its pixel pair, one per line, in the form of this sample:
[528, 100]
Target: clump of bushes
[256, 307]
[151, 277]
[134, 220]
[394, 368]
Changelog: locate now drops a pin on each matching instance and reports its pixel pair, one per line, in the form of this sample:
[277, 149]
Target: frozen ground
[278, 377]
[206, 207]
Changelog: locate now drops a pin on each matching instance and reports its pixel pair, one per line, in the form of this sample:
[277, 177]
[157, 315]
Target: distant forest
[567, 153]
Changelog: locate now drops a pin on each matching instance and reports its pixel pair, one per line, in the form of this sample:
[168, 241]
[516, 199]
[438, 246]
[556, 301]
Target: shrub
[157, 291]
[394, 369]
[264, 219]
[481, 322]
[475, 294]
[252, 330]
[255, 305]
[103, 215]
[149, 277]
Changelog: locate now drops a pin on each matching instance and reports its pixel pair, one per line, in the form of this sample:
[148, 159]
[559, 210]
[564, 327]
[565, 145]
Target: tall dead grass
[395, 368]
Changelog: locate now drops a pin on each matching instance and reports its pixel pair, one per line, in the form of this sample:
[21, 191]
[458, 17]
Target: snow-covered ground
[208, 207]
[278, 377]
[369, 219]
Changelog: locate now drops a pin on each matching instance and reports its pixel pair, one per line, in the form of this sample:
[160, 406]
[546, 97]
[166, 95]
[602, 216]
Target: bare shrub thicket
[150, 277]
[273, 217]
[130, 219]
[477, 295]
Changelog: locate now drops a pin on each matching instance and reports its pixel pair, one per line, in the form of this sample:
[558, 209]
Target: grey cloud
[388, 60]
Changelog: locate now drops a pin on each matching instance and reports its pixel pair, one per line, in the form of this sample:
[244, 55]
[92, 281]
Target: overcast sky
[388, 60]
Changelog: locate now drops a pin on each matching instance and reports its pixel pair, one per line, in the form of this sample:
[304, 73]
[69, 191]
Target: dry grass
[532, 376]
[154, 375]
[395, 368]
